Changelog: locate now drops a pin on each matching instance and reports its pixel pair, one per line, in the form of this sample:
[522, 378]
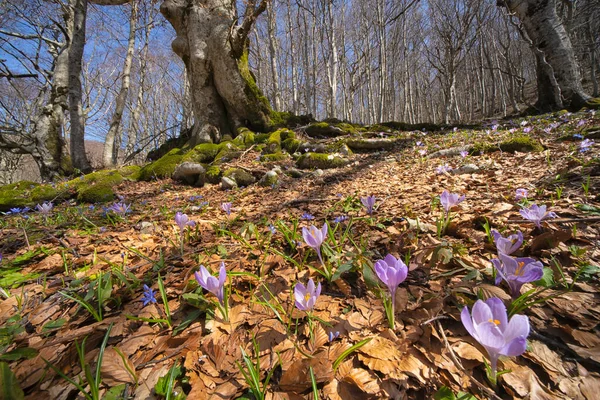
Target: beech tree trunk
[556, 63]
[213, 46]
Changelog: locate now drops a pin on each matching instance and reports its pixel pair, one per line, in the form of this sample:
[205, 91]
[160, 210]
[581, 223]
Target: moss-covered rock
[96, 193]
[321, 161]
[285, 119]
[25, 194]
[269, 179]
[163, 167]
[202, 153]
[291, 145]
[279, 156]
[274, 142]
[228, 152]
[240, 176]
[520, 143]
[213, 174]
[370, 144]
[245, 138]
[130, 172]
[262, 138]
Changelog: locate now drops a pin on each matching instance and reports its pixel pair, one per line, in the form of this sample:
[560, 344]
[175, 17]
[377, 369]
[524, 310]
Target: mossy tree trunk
[559, 80]
[213, 46]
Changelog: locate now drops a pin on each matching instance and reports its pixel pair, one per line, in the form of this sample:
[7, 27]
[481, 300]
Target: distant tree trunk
[213, 47]
[78, 155]
[111, 149]
[556, 63]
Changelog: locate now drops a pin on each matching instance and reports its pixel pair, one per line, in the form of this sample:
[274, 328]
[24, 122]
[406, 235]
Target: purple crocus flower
[314, 237]
[423, 152]
[585, 145]
[211, 283]
[464, 153]
[369, 203]
[307, 216]
[521, 194]
[450, 200]
[536, 214]
[182, 221]
[517, 271]
[489, 325]
[148, 296]
[119, 208]
[392, 272]
[226, 207]
[340, 219]
[442, 169]
[528, 129]
[509, 244]
[306, 296]
[45, 208]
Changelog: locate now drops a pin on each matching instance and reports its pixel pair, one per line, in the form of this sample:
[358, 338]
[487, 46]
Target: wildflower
[578, 136]
[423, 152]
[15, 210]
[333, 335]
[450, 200]
[306, 296]
[211, 283]
[272, 229]
[443, 169]
[521, 194]
[464, 153]
[369, 203]
[455, 129]
[340, 219]
[419, 143]
[392, 272]
[226, 207]
[581, 123]
[148, 296]
[536, 214]
[585, 145]
[517, 271]
[489, 325]
[315, 238]
[528, 129]
[182, 221]
[307, 216]
[45, 208]
[119, 208]
[509, 244]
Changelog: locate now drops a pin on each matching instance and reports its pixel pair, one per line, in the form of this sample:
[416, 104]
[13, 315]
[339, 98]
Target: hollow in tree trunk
[214, 49]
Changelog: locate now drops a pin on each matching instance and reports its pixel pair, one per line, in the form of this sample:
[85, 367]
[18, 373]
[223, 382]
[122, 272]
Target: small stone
[318, 172]
[465, 169]
[145, 227]
[295, 173]
[344, 150]
[269, 179]
[190, 173]
[227, 183]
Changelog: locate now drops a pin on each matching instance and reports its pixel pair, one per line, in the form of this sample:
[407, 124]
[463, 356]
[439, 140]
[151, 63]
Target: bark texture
[213, 47]
[557, 65]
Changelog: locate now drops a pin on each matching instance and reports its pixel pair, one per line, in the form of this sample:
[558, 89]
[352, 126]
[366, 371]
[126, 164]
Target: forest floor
[73, 283]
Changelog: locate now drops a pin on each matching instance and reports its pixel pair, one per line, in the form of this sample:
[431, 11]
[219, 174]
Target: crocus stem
[493, 377]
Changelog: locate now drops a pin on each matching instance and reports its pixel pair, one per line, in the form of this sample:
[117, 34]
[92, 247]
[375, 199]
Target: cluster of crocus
[306, 296]
[119, 208]
[226, 207]
[515, 271]
[314, 237]
[369, 203]
[442, 169]
[536, 214]
[488, 324]
[392, 273]
[182, 220]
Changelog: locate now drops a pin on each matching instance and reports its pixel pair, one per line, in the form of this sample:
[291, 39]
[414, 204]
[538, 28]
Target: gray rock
[373, 144]
[318, 172]
[295, 173]
[190, 173]
[145, 227]
[269, 179]
[227, 183]
[465, 169]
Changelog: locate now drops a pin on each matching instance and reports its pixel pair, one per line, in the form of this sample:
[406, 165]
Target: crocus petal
[310, 288]
[381, 270]
[390, 260]
[498, 310]
[533, 272]
[481, 313]
[299, 293]
[465, 317]
[490, 337]
[515, 347]
[323, 233]
[499, 270]
[222, 274]
[318, 291]
[517, 326]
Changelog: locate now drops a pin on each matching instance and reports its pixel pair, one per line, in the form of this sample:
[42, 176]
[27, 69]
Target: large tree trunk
[111, 148]
[78, 154]
[557, 65]
[214, 50]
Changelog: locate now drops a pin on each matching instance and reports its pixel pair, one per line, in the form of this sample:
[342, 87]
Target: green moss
[131, 172]
[202, 153]
[213, 174]
[256, 98]
[520, 143]
[25, 194]
[274, 141]
[163, 167]
[279, 156]
[229, 151]
[333, 130]
[262, 138]
[97, 193]
[245, 138]
[593, 104]
[320, 160]
[291, 145]
[241, 177]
